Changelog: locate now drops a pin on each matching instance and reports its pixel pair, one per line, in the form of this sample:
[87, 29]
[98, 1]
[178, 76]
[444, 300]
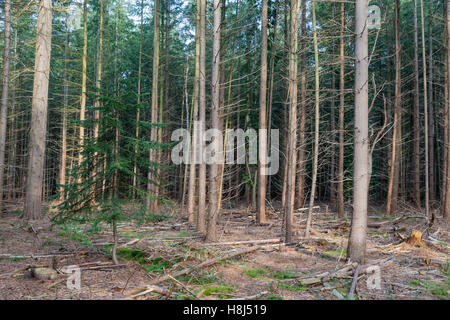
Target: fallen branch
[354, 283]
[243, 242]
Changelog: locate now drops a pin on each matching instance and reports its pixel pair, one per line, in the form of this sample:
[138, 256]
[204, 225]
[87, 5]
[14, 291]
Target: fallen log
[243, 242]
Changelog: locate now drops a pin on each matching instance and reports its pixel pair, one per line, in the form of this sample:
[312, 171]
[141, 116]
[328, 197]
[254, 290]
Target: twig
[354, 283]
[184, 287]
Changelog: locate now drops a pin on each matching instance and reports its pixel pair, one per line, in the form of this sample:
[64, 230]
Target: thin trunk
[63, 160]
[83, 83]
[317, 122]
[211, 234]
[357, 241]
[194, 144]
[292, 128]
[446, 206]
[36, 159]
[425, 108]
[201, 214]
[5, 95]
[416, 117]
[431, 114]
[151, 183]
[300, 196]
[392, 196]
[138, 113]
[262, 166]
[340, 206]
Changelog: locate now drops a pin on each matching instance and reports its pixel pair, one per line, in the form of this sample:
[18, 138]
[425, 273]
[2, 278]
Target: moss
[220, 289]
[255, 273]
[292, 287]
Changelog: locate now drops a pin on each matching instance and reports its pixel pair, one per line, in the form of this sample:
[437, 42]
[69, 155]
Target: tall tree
[316, 121]
[416, 117]
[211, 234]
[262, 167]
[151, 187]
[5, 95]
[83, 82]
[292, 126]
[357, 242]
[392, 197]
[340, 206]
[201, 213]
[33, 199]
[446, 204]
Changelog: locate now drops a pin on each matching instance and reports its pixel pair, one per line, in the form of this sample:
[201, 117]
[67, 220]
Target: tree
[392, 197]
[151, 187]
[33, 199]
[357, 242]
[340, 206]
[446, 204]
[262, 177]
[5, 93]
[292, 127]
[213, 170]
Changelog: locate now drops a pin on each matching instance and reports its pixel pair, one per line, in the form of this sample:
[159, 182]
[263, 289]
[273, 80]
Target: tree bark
[201, 214]
[446, 206]
[211, 235]
[292, 127]
[5, 95]
[357, 242]
[32, 209]
[416, 117]
[392, 196]
[151, 187]
[317, 122]
[340, 206]
[262, 167]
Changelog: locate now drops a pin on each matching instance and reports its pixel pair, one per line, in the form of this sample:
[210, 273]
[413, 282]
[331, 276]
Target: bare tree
[292, 127]
[151, 183]
[5, 94]
[340, 206]
[33, 199]
[215, 97]
[357, 242]
[262, 178]
[392, 196]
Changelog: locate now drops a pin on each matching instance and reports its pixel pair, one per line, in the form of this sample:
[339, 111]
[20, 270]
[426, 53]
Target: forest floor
[271, 270]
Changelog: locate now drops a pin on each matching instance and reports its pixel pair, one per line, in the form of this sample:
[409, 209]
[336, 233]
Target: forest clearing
[225, 150]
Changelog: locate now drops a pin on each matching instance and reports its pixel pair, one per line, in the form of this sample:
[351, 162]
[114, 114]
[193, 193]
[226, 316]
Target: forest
[225, 150]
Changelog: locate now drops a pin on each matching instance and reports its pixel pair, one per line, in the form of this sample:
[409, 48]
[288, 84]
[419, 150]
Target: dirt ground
[274, 271]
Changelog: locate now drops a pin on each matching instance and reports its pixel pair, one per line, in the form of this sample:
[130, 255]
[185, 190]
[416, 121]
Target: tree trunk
[292, 127]
[340, 206]
[32, 209]
[357, 242]
[300, 197]
[138, 113]
[446, 205]
[317, 123]
[5, 95]
[83, 83]
[151, 188]
[194, 135]
[392, 197]
[431, 114]
[63, 161]
[416, 117]
[211, 235]
[425, 108]
[201, 214]
[262, 166]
